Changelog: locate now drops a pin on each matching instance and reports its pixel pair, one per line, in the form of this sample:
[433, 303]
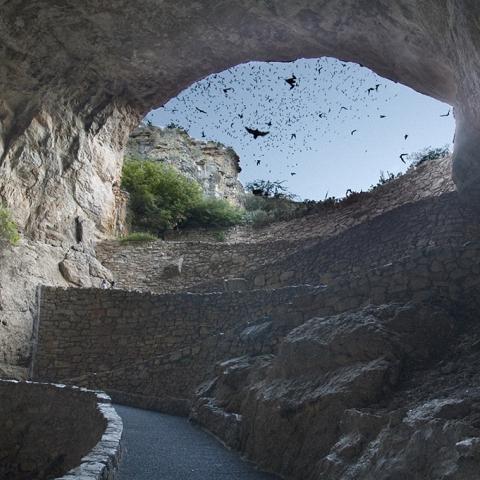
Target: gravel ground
[163, 447]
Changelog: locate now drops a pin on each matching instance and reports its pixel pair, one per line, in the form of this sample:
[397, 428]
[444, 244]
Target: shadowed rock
[349, 397]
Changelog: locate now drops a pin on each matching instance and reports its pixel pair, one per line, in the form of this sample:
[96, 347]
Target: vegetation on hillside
[8, 228]
[213, 212]
[428, 154]
[161, 199]
[270, 202]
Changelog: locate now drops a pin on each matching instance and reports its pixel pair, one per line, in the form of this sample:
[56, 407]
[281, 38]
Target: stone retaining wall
[59, 432]
[163, 267]
[433, 222]
[429, 223]
[155, 346]
[153, 350]
[428, 180]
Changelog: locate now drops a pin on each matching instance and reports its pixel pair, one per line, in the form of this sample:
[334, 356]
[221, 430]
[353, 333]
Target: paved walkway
[162, 447]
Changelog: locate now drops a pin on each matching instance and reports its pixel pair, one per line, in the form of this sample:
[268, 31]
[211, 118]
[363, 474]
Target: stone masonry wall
[434, 222]
[58, 432]
[162, 267]
[158, 348]
[409, 201]
[201, 266]
[428, 180]
[154, 346]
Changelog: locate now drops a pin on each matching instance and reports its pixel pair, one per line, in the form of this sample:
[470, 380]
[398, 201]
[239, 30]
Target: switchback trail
[163, 447]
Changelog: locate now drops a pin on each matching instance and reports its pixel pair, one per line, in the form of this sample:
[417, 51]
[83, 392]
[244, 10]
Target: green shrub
[262, 210]
[429, 154]
[139, 237]
[213, 212]
[220, 235]
[160, 196]
[8, 228]
[258, 218]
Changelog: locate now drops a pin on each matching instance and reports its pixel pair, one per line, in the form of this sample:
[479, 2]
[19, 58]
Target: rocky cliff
[214, 166]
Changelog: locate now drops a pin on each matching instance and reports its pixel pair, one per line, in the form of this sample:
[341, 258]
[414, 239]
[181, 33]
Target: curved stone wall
[154, 350]
[381, 239]
[429, 223]
[52, 431]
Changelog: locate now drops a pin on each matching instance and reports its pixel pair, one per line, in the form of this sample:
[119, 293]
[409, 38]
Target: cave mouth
[333, 126]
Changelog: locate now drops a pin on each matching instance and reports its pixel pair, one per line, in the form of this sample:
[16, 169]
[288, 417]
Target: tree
[266, 188]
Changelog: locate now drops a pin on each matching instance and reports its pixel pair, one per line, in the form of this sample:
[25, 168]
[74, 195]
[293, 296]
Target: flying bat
[256, 132]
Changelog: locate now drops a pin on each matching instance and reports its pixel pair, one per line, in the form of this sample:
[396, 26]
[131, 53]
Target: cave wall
[58, 167]
[75, 80]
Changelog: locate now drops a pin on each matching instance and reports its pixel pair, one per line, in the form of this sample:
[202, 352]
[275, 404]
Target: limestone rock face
[82, 269]
[349, 397]
[55, 169]
[23, 268]
[211, 164]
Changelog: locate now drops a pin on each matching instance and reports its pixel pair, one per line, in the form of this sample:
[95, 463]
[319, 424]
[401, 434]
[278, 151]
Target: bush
[385, 178]
[160, 196]
[220, 235]
[259, 218]
[262, 210]
[139, 237]
[429, 154]
[266, 188]
[213, 212]
[8, 228]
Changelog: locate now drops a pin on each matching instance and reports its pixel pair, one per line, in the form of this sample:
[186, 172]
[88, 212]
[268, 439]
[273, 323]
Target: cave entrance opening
[332, 126]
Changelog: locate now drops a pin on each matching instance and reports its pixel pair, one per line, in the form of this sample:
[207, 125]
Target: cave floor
[164, 447]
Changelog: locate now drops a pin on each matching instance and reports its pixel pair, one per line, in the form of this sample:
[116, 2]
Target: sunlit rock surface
[211, 164]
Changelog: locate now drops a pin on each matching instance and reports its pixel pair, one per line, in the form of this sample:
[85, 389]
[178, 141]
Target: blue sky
[327, 130]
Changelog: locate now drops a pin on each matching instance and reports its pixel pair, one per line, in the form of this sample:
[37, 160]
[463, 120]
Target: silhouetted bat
[292, 81]
[255, 132]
